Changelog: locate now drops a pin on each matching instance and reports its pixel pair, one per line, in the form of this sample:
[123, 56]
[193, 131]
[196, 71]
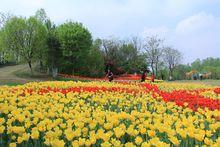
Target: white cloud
[161, 31]
[196, 36]
[196, 22]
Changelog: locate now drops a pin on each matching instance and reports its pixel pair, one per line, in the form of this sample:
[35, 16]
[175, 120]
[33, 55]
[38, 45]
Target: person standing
[110, 75]
[152, 77]
[143, 75]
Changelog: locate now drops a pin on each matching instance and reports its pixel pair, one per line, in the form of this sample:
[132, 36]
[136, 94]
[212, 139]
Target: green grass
[207, 82]
[10, 83]
[27, 74]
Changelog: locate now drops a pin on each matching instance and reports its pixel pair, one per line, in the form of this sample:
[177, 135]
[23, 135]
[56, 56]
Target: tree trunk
[152, 67]
[156, 70]
[170, 74]
[54, 72]
[30, 66]
[41, 64]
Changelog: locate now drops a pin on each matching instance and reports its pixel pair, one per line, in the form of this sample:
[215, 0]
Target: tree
[136, 43]
[123, 55]
[136, 60]
[211, 62]
[111, 53]
[197, 65]
[24, 37]
[131, 58]
[76, 42]
[179, 73]
[12, 36]
[128, 57]
[95, 60]
[172, 58]
[153, 48]
[5, 55]
[54, 53]
[211, 65]
[41, 16]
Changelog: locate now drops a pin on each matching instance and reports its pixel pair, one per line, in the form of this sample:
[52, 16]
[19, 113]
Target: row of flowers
[194, 98]
[125, 77]
[107, 114]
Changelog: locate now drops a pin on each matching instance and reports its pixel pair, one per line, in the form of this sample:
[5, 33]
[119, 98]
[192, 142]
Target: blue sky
[191, 26]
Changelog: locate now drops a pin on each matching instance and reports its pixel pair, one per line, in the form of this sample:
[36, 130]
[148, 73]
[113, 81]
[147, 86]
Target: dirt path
[7, 74]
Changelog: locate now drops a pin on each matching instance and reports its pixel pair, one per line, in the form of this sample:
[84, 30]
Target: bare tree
[153, 48]
[136, 43]
[172, 58]
[123, 55]
[111, 48]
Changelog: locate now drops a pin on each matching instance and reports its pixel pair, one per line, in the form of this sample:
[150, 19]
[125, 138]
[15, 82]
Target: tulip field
[108, 114]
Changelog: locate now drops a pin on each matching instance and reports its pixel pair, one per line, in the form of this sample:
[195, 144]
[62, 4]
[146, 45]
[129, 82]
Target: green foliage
[14, 31]
[95, 64]
[76, 42]
[5, 55]
[129, 58]
[24, 37]
[10, 83]
[215, 62]
[95, 61]
[123, 56]
[196, 65]
[208, 65]
[180, 70]
[214, 70]
[41, 15]
[54, 52]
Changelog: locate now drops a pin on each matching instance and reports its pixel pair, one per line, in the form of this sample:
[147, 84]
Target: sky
[191, 26]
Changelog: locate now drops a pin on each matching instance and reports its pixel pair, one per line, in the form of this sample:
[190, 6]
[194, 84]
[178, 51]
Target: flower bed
[107, 114]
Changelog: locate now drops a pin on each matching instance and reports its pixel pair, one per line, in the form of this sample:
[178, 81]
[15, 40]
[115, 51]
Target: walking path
[7, 74]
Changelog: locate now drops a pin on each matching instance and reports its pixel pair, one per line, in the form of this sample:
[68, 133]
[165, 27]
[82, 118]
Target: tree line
[71, 49]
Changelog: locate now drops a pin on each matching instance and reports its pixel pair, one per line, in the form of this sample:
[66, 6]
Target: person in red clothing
[143, 75]
[152, 77]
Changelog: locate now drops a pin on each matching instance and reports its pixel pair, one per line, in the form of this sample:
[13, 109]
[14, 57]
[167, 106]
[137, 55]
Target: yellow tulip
[58, 143]
[19, 140]
[34, 134]
[129, 144]
[138, 140]
[2, 128]
[174, 140]
[13, 144]
[75, 143]
[81, 141]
